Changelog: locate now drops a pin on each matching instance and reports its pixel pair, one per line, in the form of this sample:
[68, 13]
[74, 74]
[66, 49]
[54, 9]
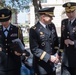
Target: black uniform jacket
[69, 53]
[42, 45]
[8, 59]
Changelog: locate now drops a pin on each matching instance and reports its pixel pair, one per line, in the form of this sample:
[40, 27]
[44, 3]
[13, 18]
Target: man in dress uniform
[68, 40]
[44, 43]
[10, 61]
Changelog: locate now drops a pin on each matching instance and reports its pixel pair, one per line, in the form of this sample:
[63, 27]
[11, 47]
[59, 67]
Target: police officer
[10, 61]
[68, 39]
[44, 43]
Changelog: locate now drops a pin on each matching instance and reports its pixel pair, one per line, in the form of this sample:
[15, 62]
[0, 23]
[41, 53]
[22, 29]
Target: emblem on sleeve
[41, 33]
[63, 27]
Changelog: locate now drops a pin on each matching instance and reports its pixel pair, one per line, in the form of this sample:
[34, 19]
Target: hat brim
[70, 10]
[5, 19]
[52, 15]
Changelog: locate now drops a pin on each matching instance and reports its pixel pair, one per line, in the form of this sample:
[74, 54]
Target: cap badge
[68, 4]
[3, 15]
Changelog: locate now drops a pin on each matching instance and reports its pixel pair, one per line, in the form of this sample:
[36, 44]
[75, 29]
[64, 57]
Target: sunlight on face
[48, 19]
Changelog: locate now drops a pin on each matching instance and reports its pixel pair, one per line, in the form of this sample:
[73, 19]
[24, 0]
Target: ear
[11, 18]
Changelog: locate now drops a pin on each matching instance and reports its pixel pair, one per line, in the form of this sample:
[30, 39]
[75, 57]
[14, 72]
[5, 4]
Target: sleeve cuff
[61, 50]
[42, 56]
[45, 56]
[56, 47]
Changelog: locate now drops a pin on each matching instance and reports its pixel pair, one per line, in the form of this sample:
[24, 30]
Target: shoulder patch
[34, 27]
[18, 27]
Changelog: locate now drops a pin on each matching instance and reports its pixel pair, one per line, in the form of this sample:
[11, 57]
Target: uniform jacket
[69, 53]
[42, 45]
[8, 60]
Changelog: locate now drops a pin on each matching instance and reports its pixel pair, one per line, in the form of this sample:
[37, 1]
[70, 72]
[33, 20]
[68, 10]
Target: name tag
[13, 35]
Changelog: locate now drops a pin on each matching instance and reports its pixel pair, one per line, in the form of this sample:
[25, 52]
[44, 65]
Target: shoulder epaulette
[19, 31]
[34, 27]
[18, 26]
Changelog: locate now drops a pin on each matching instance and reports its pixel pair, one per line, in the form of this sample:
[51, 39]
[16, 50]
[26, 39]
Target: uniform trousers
[52, 73]
[68, 70]
[11, 72]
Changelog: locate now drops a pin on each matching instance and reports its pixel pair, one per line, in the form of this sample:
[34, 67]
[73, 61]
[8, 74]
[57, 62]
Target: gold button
[51, 43]
[5, 39]
[0, 49]
[39, 59]
[6, 49]
[6, 44]
[67, 36]
[6, 53]
[68, 32]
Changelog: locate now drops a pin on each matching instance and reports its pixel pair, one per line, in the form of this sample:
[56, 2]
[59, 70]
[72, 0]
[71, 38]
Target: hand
[69, 42]
[17, 53]
[54, 59]
[59, 57]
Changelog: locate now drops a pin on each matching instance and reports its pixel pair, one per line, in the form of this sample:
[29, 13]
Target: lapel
[9, 32]
[2, 35]
[71, 28]
[74, 23]
[64, 25]
[10, 29]
[42, 29]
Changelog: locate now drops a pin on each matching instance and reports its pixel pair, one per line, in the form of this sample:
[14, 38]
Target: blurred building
[14, 18]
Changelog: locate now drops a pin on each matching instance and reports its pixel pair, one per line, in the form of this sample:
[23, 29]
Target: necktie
[48, 30]
[6, 32]
[69, 26]
[70, 22]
